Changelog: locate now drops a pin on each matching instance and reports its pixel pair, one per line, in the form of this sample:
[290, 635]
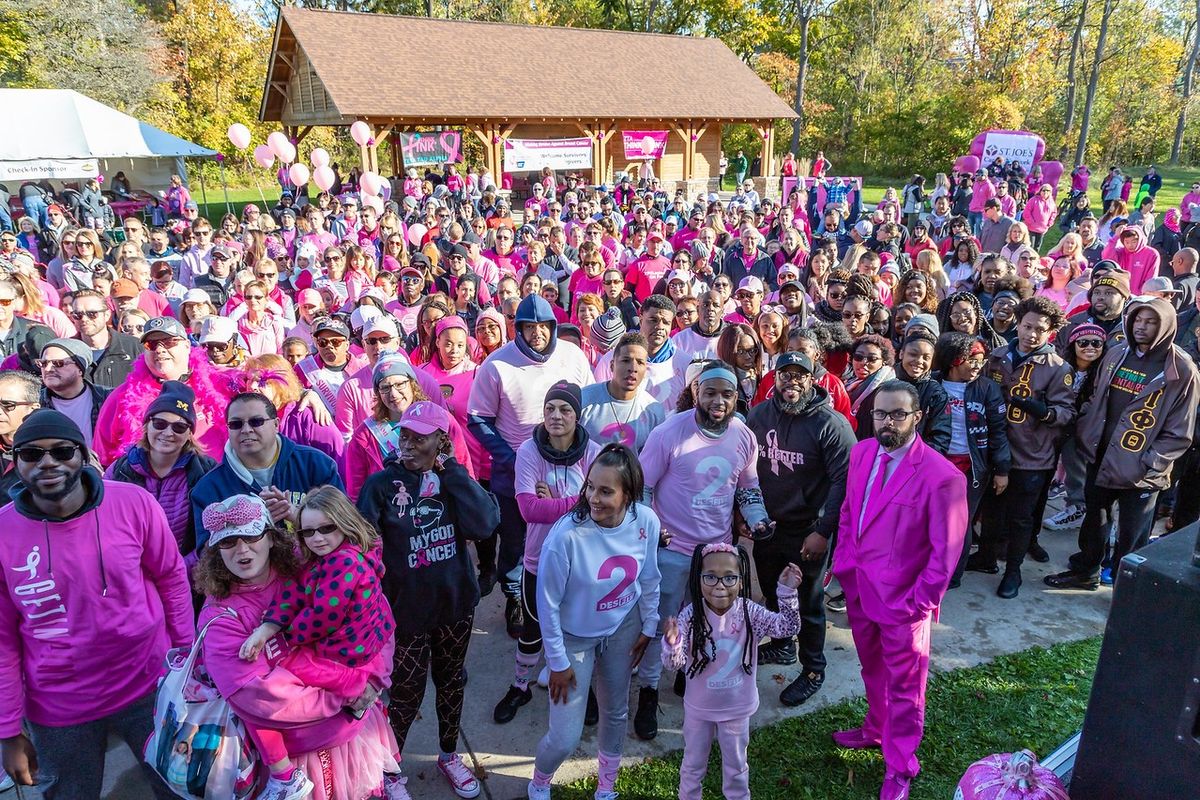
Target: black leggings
[530, 641]
[442, 652]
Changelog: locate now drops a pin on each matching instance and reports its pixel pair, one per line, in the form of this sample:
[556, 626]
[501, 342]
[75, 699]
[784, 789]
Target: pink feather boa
[214, 387]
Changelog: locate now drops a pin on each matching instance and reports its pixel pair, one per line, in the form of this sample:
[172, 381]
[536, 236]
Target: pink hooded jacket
[1141, 262]
[89, 606]
[1039, 213]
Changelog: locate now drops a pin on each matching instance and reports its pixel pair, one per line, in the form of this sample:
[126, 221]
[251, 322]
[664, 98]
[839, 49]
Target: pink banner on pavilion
[644, 144]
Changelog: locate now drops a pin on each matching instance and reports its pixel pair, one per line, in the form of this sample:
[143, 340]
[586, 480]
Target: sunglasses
[253, 422]
[220, 258]
[262, 276]
[379, 340]
[84, 243]
[88, 314]
[60, 453]
[1090, 342]
[52, 363]
[160, 424]
[256, 297]
[7, 301]
[162, 344]
[221, 346]
[324, 530]
[233, 541]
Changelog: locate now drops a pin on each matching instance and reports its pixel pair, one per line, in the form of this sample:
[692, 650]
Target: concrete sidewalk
[975, 626]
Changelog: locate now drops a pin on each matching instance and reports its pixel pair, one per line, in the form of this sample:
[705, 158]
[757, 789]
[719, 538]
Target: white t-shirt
[958, 418]
[624, 421]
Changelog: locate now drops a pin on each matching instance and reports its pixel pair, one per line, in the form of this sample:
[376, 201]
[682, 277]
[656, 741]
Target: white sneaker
[543, 678]
[296, 788]
[6, 782]
[1069, 517]
[395, 787]
[537, 792]
[462, 780]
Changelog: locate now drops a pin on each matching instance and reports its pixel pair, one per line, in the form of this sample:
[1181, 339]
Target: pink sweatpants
[895, 668]
[733, 735]
[268, 742]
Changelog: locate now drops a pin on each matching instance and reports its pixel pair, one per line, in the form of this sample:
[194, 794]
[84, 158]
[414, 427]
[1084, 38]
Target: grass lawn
[1035, 699]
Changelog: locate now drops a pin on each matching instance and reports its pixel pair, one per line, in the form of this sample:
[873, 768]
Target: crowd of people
[324, 432]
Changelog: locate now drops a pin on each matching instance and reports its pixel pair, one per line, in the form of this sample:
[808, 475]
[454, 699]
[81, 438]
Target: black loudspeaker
[1141, 734]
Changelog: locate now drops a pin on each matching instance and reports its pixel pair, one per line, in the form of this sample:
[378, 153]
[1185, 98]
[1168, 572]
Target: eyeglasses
[85, 243]
[728, 581]
[746, 351]
[412, 279]
[378, 341]
[253, 422]
[60, 453]
[962, 315]
[88, 314]
[1090, 342]
[162, 344]
[160, 424]
[233, 541]
[7, 301]
[865, 359]
[324, 530]
[256, 297]
[332, 258]
[262, 276]
[614, 282]
[204, 232]
[894, 416]
[791, 376]
[9, 406]
[52, 363]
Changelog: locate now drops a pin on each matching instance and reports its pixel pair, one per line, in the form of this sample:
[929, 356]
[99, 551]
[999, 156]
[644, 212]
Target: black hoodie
[802, 462]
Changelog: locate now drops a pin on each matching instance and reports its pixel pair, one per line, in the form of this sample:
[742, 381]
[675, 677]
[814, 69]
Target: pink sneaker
[461, 779]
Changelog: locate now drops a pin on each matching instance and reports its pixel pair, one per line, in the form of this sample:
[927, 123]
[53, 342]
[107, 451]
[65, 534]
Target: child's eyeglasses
[728, 581]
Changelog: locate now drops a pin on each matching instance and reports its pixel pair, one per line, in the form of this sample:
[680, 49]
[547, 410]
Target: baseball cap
[164, 326]
[190, 205]
[424, 417]
[410, 270]
[162, 269]
[123, 288]
[217, 330]
[1159, 284]
[750, 284]
[864, 228]
[679, 275]
[362, 315]
[470, 238]
[309, 297]
[381, 324]
[655, 234]
[221, 250]
[794, 359]
[242, 515]
[331, 325]
[196, 296]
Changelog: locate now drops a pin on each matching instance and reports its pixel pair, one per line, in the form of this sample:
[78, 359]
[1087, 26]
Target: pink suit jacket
[900, 562]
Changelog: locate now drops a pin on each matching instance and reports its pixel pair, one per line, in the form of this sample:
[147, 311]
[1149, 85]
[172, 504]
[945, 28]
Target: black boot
[1009, 584]
[645, 721]
[506, 709]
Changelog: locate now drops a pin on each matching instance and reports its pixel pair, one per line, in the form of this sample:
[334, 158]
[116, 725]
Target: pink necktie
[880, 479]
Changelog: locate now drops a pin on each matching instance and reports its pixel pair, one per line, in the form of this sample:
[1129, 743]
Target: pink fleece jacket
[1039, 214]
[456, 390]
[1140, 261]
[89, 607]
[981, 192]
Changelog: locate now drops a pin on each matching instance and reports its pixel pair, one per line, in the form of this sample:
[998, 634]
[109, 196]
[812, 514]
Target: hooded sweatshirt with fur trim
[89, 605]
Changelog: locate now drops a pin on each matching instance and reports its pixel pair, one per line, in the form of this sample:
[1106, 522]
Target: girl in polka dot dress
[334, 614]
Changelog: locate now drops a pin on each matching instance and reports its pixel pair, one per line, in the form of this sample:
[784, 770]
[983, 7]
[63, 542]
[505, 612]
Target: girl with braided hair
[962, 312]
[716, 640]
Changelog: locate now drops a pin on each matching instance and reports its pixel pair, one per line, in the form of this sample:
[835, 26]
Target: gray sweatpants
[1075, 472]
[672, 591]
[71, 758]
[609, 660]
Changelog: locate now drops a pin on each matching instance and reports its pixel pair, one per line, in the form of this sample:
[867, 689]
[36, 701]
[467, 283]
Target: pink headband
[719, 547]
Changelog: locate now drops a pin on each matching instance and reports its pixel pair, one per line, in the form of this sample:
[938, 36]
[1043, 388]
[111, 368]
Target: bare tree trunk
[802, 76]
[1076, 46]
[1188, 73]
[1093, 80]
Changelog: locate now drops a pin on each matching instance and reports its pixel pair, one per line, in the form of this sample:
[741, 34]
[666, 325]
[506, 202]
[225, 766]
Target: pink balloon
[277, 141]
[298, 174]
[263, 156]
[360, 132]
[287, 153]
[319, 157]
[324, 178]
[239, 135]
[416, 232]
[370, 183]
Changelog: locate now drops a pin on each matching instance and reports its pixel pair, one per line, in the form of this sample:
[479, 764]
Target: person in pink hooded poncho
[341, 757]
[1133, 255]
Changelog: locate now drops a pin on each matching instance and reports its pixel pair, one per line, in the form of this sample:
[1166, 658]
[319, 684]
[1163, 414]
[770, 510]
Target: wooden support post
[685, 135]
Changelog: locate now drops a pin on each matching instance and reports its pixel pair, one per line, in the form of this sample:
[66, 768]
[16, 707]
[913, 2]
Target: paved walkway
[975, 626]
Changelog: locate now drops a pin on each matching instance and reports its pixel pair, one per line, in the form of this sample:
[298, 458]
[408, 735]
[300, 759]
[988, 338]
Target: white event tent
[62, 135]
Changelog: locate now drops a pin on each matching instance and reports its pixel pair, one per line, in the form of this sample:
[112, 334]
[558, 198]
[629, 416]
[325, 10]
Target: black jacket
[987, 430]
[99, 395]
[802, 462]
[116, 362]
[935, 421]
[430, 575]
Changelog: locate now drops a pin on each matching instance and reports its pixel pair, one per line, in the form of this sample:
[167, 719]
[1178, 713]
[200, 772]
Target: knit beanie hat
[79, 352]
[1089, 329]
[46, 423]
[176, 398]
[607, 329]
[927, 321]
[389, 365]
[569, 393]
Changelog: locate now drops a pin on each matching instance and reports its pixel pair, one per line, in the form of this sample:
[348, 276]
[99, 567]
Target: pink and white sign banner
[644, 144]
[528, 155]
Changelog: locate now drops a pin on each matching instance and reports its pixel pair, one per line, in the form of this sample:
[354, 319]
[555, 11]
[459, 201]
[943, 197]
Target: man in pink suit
[901, 530]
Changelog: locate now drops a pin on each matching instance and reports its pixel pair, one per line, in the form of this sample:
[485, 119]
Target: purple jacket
[302, 428]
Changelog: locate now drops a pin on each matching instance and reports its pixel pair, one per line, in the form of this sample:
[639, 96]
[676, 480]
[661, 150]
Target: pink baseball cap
[309, 297]
[424, 417]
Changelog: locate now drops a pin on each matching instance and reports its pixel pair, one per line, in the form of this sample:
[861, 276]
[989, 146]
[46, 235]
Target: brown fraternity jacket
[1045, 377]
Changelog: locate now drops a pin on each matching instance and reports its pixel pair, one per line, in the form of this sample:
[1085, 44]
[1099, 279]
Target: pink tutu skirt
[354, 770]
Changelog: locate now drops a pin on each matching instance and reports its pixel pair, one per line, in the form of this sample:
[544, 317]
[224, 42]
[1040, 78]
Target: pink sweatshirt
[723, 691]
[1141, 262]
[981, 192]
[1039, 214]
[540, 513]
[88, 608]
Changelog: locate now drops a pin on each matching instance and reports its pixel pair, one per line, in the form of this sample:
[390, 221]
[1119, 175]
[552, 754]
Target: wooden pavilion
[494, 80]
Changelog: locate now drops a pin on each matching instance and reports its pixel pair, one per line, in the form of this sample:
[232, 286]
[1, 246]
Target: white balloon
[287, 152]
[277, 141]
[298, 174]
[239, 136]
[360, 132]
[324, 178]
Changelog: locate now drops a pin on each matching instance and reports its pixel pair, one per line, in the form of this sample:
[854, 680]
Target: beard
[893, 439]
[68, 486]
[792, 409]
[711, 425]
